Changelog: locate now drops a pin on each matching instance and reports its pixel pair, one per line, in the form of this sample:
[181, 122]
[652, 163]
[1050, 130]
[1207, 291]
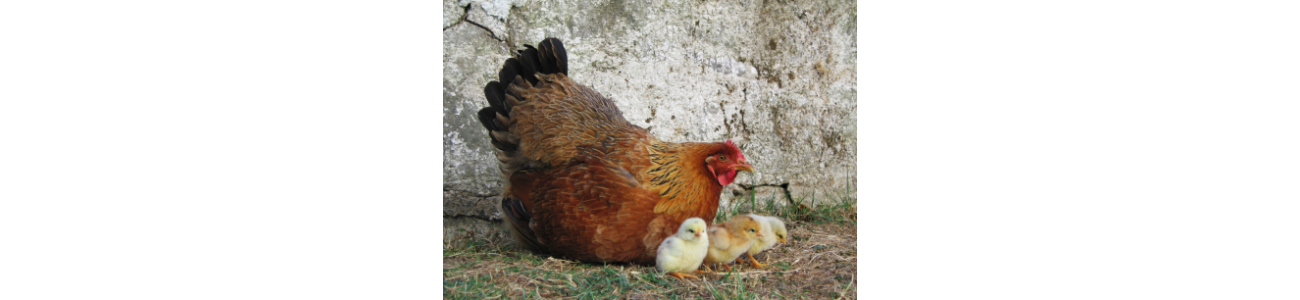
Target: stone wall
[777, 77]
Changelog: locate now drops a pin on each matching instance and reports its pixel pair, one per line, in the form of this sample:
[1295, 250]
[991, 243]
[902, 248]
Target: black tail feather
[549, 58]
[495, 94]
[509, 70]
[515, 66]
[488, 117]
[528, 57]
[519, 217]
[552, 56]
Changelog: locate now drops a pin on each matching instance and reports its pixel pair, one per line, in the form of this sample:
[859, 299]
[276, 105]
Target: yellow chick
[727, 241]
[773, 231]
[684, 251]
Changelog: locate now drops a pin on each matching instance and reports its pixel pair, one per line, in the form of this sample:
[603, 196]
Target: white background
[291, 149]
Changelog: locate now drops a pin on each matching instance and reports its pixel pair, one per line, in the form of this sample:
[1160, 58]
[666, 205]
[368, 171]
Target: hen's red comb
[737, 149]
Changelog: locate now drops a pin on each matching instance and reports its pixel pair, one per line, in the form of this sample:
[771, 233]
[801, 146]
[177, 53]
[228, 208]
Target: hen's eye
[722, 157]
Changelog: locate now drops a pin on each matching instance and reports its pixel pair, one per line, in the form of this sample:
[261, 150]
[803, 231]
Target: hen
[581, 181]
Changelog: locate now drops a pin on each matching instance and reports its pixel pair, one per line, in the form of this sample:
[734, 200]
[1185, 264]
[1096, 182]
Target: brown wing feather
[558, 117]
[590, 210]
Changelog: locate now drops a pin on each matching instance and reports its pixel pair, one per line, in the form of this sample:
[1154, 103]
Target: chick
[727, 241]
[684, 251]
[773, 231]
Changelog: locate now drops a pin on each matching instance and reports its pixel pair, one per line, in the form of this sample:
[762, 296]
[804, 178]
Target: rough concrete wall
[777, 77]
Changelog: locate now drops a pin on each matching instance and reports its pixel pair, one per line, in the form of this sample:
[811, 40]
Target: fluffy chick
[684, 251]
[727, 241]
[772, 231]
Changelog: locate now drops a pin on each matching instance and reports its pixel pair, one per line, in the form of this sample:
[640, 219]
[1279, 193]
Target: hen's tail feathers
[518, 74]
[519, 217]
[549, 58]
[553, 58]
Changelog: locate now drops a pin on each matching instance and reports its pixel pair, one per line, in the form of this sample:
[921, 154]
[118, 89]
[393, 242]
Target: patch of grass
[467, 244]
[838, 207]
[818, 262]
[477, 287]
[736, 289]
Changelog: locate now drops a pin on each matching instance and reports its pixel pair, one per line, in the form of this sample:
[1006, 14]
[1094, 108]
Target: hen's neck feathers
[679, 172]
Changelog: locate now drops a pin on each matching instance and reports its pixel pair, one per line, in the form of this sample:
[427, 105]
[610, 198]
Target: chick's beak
[782, 240]
[697, 234]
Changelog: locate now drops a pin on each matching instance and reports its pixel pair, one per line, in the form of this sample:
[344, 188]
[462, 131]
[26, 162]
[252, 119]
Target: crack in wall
[460, 203]
[463, 17]
[752, 189]
[470, 193]
[489, 31]
[462, 217]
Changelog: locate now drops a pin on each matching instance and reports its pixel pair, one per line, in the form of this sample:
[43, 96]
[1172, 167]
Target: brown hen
[581, 181]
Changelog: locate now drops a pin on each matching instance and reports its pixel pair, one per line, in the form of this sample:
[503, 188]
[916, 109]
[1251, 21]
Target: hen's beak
[745, 167]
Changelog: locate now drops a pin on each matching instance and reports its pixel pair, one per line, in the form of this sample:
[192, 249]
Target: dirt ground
[818, 262]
